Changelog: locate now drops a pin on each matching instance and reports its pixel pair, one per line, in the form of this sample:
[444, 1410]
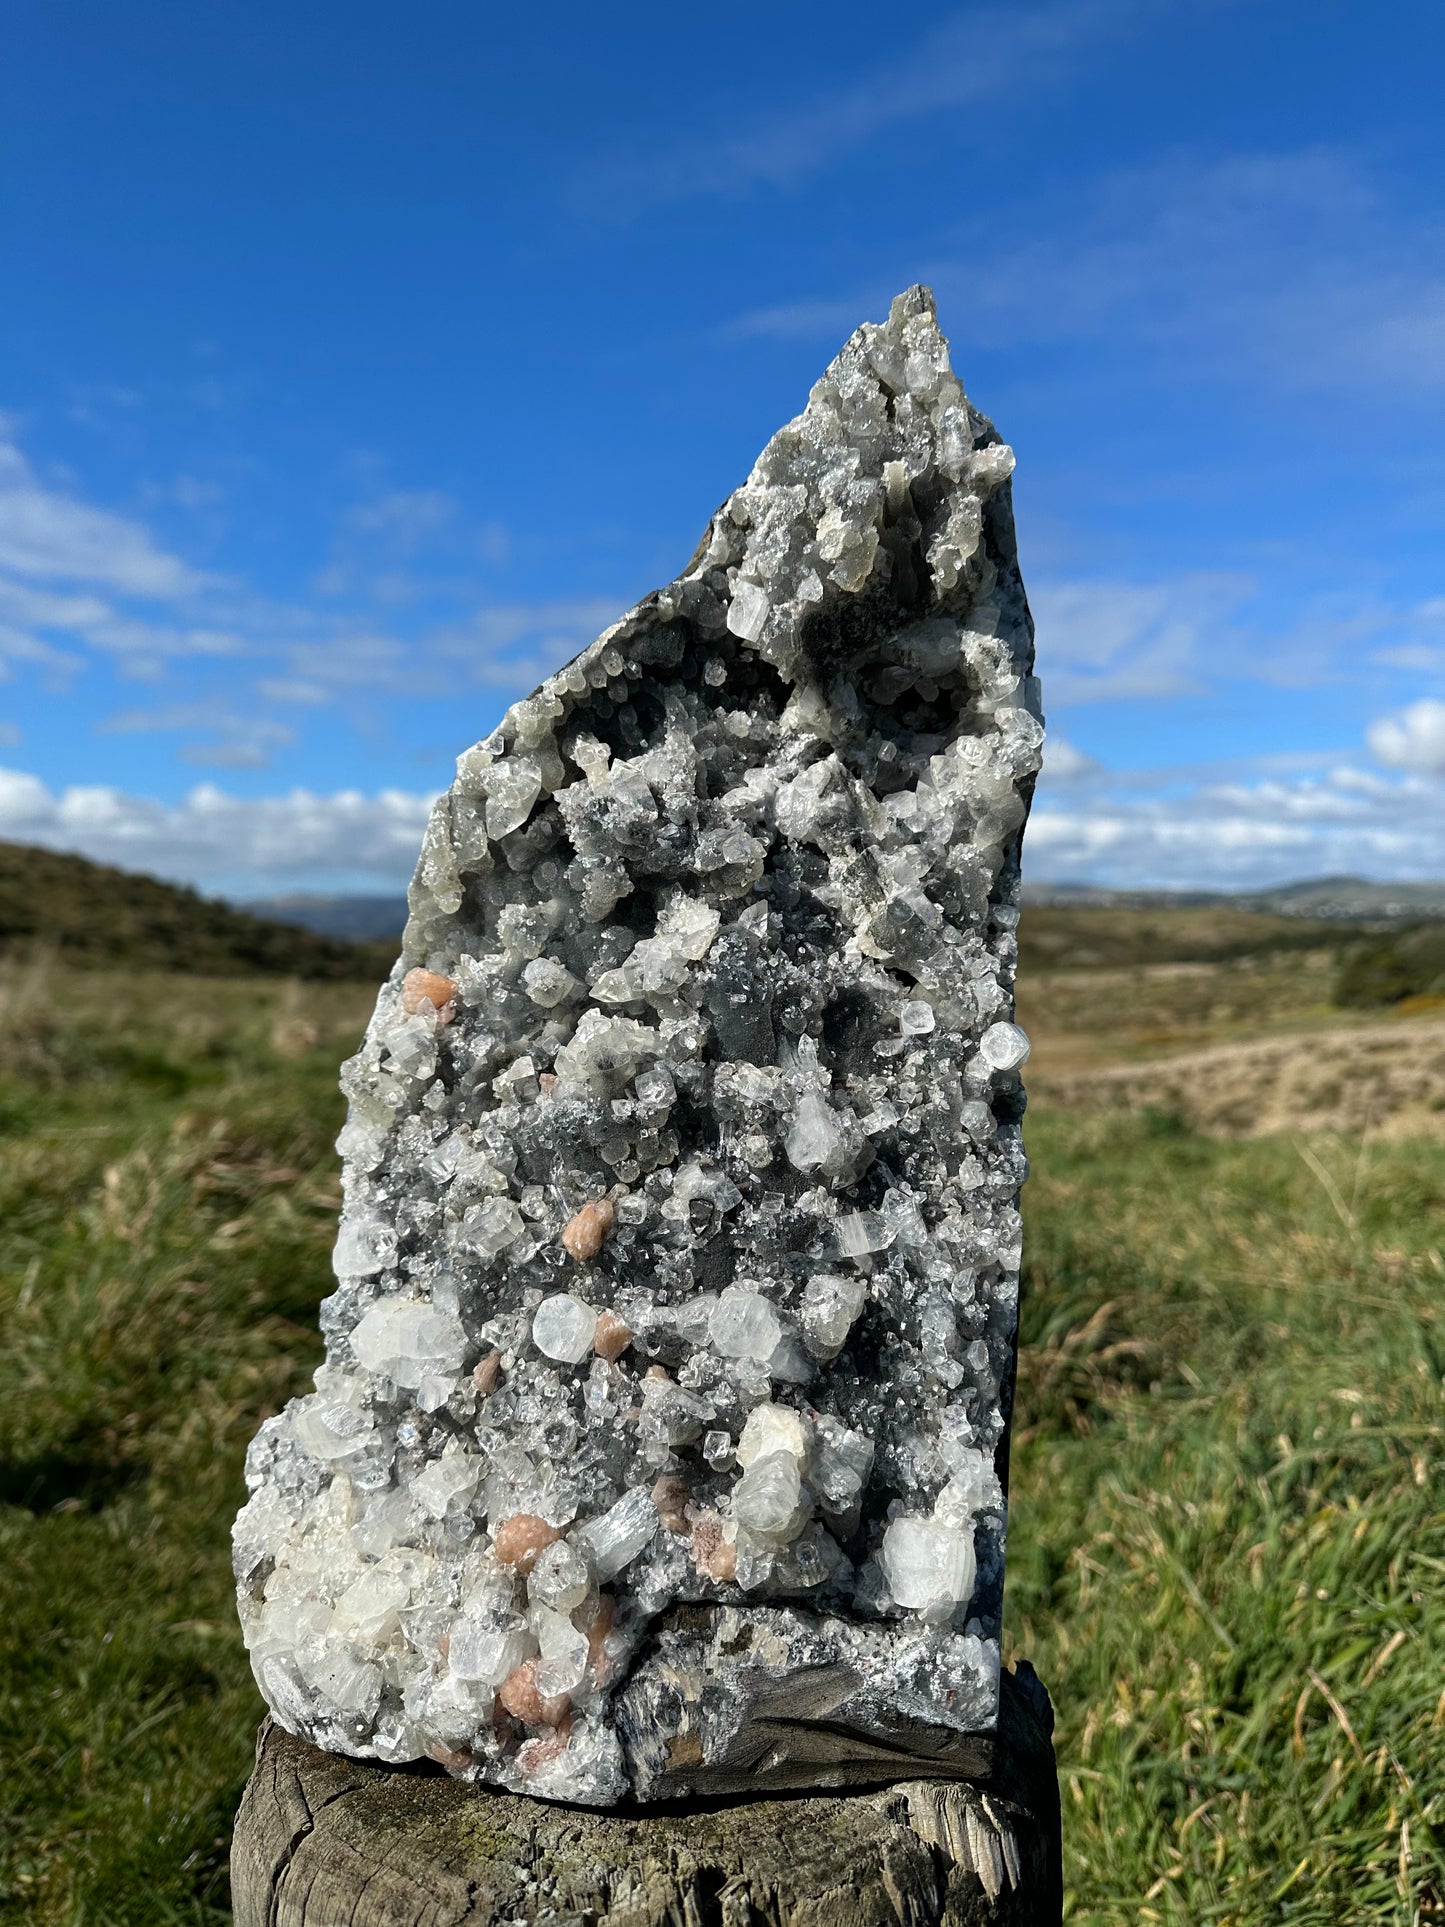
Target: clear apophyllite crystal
[671, 1352]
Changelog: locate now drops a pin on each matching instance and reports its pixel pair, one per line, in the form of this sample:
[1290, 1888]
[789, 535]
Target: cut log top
[323, 1841]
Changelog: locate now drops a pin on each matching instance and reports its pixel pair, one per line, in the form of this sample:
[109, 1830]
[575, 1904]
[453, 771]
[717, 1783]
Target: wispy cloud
[1419, 644]
[1294, 267]
[408, 545]
[405, 519]
[228, 739]
[1105, 640]
[81, 587]
[508, 646]
[974, 58]
[49, 536]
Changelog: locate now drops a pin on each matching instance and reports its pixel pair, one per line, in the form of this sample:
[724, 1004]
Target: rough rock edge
[429, 925]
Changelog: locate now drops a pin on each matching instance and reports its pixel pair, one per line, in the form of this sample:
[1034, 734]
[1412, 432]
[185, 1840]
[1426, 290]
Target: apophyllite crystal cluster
[659, 1442]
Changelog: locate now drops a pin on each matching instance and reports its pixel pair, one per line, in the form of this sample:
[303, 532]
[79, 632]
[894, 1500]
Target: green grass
[1228, 1546]
[1229, 1531]
[167, 1201]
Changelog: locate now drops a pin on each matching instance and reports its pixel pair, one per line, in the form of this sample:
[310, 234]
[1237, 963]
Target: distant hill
[105, 916]
[1346, 899]
[362, 919]
[1083, 933]
[1388, 938]
[1066, 928]
[98, 915]
[1066, 925]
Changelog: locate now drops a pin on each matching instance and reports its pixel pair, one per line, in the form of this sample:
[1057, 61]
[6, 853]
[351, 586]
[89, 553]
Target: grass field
[1228, 1543]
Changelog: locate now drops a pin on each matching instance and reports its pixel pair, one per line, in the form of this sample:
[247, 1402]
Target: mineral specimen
[657, 1448]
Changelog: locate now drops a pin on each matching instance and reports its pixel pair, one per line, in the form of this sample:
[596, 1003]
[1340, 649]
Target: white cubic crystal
[841, 1465]
[364, 1247]
[815, 1141]
[563, 1328]
[767, 1500]
[371, 1606]
[860, 1232]
[512, 788]
[690, 925]
[406, 1341]
[973, 1487]
[830, 1306]
[744, 1325]
[559, 1579]
[748, 611]
[485, 1650]
[929, 1566]
[773, 1428]
[1003, 1047]
[331, 1429]
[447, 1481]
[352, 1686]
[563, 1663]
[487, 1229]
[548, 983]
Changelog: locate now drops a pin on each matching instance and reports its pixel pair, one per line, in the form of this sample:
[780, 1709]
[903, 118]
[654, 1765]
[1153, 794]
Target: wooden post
[323, 1841]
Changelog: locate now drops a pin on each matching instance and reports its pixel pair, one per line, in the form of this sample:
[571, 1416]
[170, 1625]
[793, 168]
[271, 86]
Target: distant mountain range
[101, 917]
[1346, 899]
[359, 919]
[381, 919]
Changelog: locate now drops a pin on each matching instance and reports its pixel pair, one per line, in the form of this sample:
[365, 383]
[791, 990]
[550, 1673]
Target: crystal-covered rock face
[671, 1352]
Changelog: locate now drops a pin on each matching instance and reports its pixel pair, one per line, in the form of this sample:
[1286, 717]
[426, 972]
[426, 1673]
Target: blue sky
[359, 363]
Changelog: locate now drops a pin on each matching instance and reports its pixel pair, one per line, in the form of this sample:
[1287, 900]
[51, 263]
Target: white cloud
[1228, 835]
[405, 519]
[52, 537]
[225, 841]
[1064, 762]
[1414, 740]
[1242, 835]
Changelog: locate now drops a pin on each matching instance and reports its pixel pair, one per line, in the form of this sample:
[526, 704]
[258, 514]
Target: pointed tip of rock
[916, 300]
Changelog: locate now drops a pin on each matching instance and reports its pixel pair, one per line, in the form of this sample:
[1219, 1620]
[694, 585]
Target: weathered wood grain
[322, 1841]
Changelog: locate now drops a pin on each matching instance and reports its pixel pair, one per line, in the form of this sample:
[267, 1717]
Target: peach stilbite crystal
[583, 1235]
[518, 1541]
[423, 991]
